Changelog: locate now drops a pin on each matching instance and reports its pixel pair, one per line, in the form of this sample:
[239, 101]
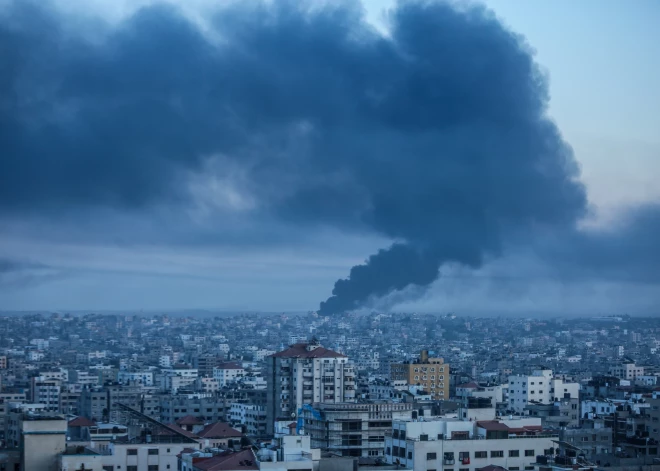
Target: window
[529, 452]
[153, 451]
[431, 456]
[152, 467]
[481, 454]
[529, 468]
[410, 455]
[497, 454]
[463, 455]
[514, 453]
[514, 468]
[131, 468]
[131, 451]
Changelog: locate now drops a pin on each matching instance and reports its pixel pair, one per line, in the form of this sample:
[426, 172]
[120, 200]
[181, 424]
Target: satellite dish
[301, 431]
[293, 415]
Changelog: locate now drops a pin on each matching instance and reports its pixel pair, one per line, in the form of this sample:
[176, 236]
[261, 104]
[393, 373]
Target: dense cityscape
[296, 391]
[329, 235]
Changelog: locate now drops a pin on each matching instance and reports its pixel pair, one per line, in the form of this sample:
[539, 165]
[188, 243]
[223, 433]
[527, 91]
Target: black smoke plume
[434, 135]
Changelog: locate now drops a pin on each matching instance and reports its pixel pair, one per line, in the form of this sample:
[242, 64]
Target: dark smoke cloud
[435, 136]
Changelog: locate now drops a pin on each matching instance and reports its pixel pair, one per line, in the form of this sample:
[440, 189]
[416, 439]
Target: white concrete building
[541, 386]
[84, 378]
[627, 370]
[468, 446]
[250, 415]
[46, 392]
[227, 373]
[142, 378]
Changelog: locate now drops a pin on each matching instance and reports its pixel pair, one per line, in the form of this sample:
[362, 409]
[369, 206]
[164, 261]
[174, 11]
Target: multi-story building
[178, 377]
[252, 416]
[205, 364]
[69, 402]
[142, 378]
[626, 370]
[228, 372]
[93, 404]
[84, 378]
[352, 429]
[212, 408]
[431, 374]
[540, 387]
[3, 362]
[558, 414]
[39, 437]
[464, 445]
[46, 392]
[306, 374]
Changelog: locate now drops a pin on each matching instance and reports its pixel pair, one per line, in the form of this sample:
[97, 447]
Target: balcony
[448, 461]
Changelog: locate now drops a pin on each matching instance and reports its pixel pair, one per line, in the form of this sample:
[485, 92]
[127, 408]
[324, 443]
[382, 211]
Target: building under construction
[352, 429]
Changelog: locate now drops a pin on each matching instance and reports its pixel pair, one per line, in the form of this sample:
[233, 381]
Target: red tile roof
[492, 425]
[81, 422]
[242, 460]
[299, 350]
[178, 429]
[219, 430]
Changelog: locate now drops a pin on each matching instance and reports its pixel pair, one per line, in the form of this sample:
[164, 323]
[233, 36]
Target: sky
[243, 235]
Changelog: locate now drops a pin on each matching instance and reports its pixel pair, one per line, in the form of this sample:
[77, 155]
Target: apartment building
[453, 445]
[46, 392]
[539, 387]
[352, 429]
[211, 408]
[431, 374]
[228, 372]
[39, 437]
[251, 416]
[627, 370]
[306, 373]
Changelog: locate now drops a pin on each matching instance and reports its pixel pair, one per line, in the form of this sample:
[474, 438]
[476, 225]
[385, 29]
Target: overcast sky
[92, 248]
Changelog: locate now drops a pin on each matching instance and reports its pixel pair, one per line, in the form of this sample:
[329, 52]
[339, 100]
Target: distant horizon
[212, 311]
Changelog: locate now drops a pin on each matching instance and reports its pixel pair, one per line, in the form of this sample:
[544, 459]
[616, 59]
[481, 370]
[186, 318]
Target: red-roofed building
[243, 460]
[306, 373]
[219, 434]
[190, 423]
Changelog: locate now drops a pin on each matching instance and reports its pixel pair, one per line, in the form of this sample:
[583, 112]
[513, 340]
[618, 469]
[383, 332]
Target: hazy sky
[603, 62]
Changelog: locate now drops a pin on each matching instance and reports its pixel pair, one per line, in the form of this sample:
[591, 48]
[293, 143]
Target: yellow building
[431, 374]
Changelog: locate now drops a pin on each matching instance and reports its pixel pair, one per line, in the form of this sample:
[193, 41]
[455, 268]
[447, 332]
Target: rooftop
[305, 350]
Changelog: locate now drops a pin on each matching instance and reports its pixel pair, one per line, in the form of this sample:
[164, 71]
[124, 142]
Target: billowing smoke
[434, 135]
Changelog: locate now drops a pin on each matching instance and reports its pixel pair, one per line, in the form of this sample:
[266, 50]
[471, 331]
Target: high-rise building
[432, 374]
[306, 373]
